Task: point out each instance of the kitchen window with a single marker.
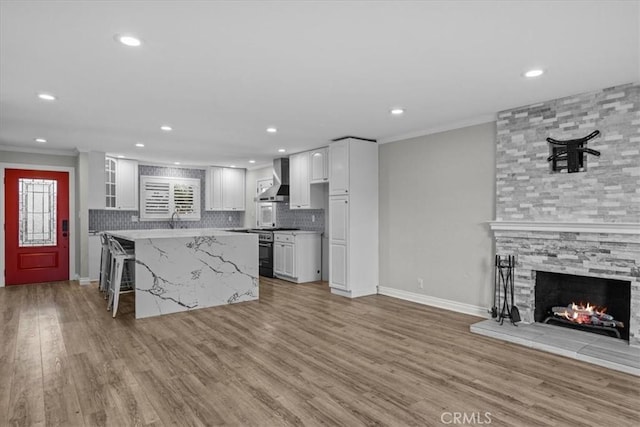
(162, 197)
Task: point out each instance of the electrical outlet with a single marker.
(420, 283)
(313, 218)
(230, 219)
(134, 218)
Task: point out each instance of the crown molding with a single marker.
(478, 120)
(37, 150)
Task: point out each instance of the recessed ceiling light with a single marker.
(140, 145)
(176, 163)
(534, 73)
(129, 40)
(46, 97)
(281, 150)
(121, 156)
(272, 130)
(41, 140)
(232, 166)
(252, 161)
(166, 128)
(397, 111)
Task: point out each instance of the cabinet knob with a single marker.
(346, 191)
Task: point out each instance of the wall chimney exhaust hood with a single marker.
(279, 192)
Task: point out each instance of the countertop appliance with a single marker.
(266, 214)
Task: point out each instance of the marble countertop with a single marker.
(164, 233)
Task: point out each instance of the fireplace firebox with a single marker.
(588, 303)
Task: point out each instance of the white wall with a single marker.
(250, 205)
(436, 196)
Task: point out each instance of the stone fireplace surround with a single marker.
(604, 250)
(585, 223)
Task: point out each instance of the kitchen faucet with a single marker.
(174, 218)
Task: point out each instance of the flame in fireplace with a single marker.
(579, 313)
(587, 314)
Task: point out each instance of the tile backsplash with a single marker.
(121, 220)
(299, 218)
(99, 219)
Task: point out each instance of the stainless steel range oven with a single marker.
(265, 252)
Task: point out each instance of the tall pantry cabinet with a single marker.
(353, 217)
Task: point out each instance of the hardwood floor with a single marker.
(299, 356)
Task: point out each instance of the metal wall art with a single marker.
(572, 151)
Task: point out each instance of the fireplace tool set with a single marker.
(503, 290)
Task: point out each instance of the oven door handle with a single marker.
(265, 245)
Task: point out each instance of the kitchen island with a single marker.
(186, 269)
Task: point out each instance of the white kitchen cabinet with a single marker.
(225, 189)
(297, 256)
(95, 252)
(299, 185)
(213, 189)
(284, 259)
(302, 195)
(110, 168)
(339, 219)
(338, 262)
(120, 182)
(319, 165)
(233, 193)
(339, 163)
(353, 218)
(127, 185)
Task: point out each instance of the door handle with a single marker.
(65, 227)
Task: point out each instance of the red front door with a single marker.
(36, 226)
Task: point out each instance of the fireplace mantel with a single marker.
(567, 227)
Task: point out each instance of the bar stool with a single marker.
(105, 265)
(121, 273)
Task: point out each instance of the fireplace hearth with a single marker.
(592, 304)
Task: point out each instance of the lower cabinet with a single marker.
(338, 261)
(297, 256)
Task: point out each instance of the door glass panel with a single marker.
(37, 212)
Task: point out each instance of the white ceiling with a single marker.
(222, 72)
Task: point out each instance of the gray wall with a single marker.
(437, 194)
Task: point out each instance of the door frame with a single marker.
(72, 212)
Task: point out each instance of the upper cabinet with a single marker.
(299, 187)
(113, 183)
(225, 189)
(303, 195)
(339, 168)
(319, 160)
(127, 185)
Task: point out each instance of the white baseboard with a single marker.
(84, 281)
(456, 306)
(352, 294)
